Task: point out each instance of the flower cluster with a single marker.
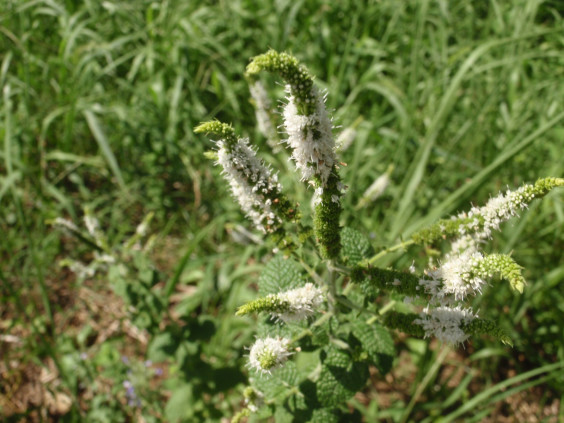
(269, 353)
(311, 138)
(310, 135)
(130, 394)
(483, 220)
(465, 269)
(479, 222)
(295, 304)
(252, 183)
(446, 323)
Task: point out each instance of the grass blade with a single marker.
(102, 140)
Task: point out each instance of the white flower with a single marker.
(141, 229)
(497, 210)
(302, 302)
(104, 258)
(455, 278)
(445, 323)
(375, 190)
(316, 198)
(269, 353)
(92, 225)
(311, 138)
(82, 271)
(65, 224)
(345, 139)
(252, 183)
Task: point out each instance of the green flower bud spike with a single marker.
(487, 327)
(503, 265)
(215, 127)
(271, 304)
(292, 72)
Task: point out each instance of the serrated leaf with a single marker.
(377, 342)
(276, 385)
(280, 274)
(355, 247)
(324, 415)
(340, 378)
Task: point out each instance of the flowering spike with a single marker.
(445, 323)
(295, 304)
(481, 221)
(310, 135)
(252, 183)
(269, 353)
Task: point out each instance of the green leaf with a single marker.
(102, 140)
(280, 274)
(276, 385)
(324, 415)
(377, 342)
(178, 406)
(340, 378)
(162, 347)
(282, 415)
(355, 246)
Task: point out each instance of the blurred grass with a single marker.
(99, 100)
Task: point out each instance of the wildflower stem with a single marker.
(308, 332)
(332, 295)
(382, 253)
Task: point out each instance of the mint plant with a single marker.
(323, 318)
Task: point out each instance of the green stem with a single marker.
(382, 253)
(332, 295)
(308, 332)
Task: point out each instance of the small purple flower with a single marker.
(148, 363)
(125, 360)
(158, 371)
(83, 356)
(132, 399)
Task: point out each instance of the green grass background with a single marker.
(99, 102)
